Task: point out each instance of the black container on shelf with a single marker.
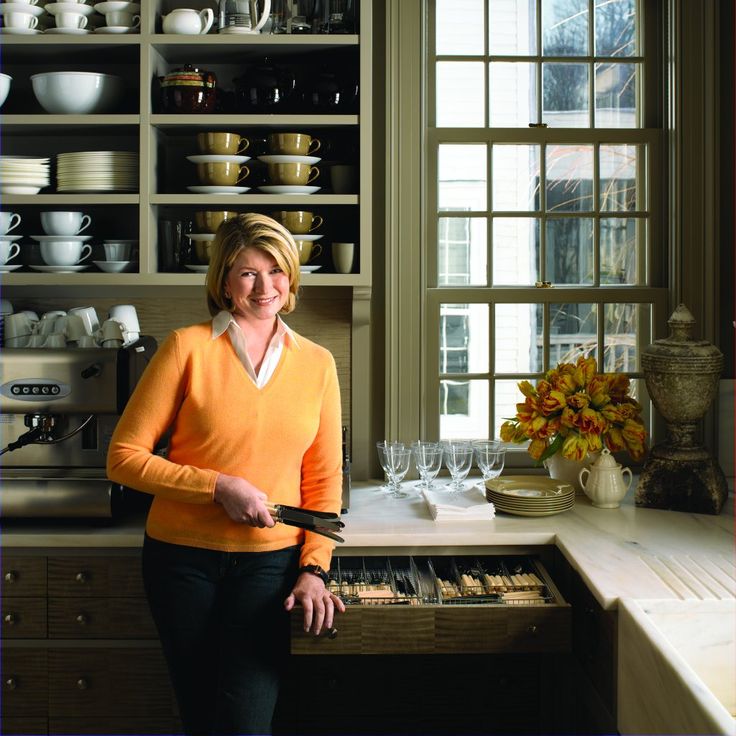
(326, 91)
(188, 90)
(265, 87)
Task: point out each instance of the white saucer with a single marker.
(309, 269)
(20, 31)
(10, 238)
(7, 269)
(197, 268)
(68, 31)
(218, 190)
(20, 8)
(113, 266)
(206, 237)
(206, 158)
(117, 29)
(60, 269)
(55, 238)
(79, 8)
(309, 236)
(288, 189)
(284, 159)
(116, 6)
(19, 189)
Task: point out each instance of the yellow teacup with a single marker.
(222, 144)
(221, 173)
(292, 174)
(298, 222)
(293, 144)
(308, 250)
(207, 221)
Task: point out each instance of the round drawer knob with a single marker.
(83, 683)
(11, 683)
(82, 577)
(82, 619)
(10, 577)
(532, 630)
(10, 619)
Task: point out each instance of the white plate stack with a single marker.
(97, 171)
(23, 174)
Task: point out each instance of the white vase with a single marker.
(562, 469)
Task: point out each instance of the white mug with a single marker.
(17, 342)
(127, 315)
(89, 316)
(111, 330)
(87, 341)
(65, 223)
(8, 251)
(342, 256)
(8, 221)
(36, 341)
(55, 340)
(65, 252)
(71, 20)
(46, 324)
(20, 20)
(76, 327)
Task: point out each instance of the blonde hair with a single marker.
(250, 230)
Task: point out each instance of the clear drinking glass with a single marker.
(458, 460)
(428, 459)
(490, 456)
(394, 458)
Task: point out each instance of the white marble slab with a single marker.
(677, 667)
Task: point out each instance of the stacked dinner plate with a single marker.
(530, 495)
(23, 174)
(97, 171)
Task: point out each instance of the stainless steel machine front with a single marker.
(58, 409)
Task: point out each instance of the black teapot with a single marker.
(265, 87)
(330, 91)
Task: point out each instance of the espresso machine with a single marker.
(58, 410)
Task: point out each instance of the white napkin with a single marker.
(467, 505)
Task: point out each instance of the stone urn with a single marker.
(682, 375)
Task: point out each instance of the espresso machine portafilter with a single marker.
(58, 409)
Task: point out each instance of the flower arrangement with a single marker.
(575, 410)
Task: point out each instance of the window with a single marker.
(540, 210)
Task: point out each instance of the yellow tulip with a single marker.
(575, 447)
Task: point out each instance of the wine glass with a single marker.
(428, 459)
(490, 456)
(394, 459)
(458, 460)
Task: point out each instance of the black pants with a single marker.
(224, 631)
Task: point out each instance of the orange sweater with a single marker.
(285, 438)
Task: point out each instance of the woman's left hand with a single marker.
(318, 603)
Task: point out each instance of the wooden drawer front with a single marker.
(20, 726)
(96, 576)
(100, 618)
(108, 683)
(25, 684)
(96, 726)
(24, 618)
(453, 629)
(23, 576)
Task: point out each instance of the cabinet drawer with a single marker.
(108, 683)
(20, 726)
(95, 576)
(419, 620)
(100, 618)
(25, 683)
(24, 618)
(23, 576)
(120, 726)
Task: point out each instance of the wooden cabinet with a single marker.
(162, 140)
(81, 655)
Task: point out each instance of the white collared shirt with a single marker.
(224, 320)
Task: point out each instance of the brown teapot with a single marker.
(188, 90)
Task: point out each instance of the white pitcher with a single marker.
(188, 21)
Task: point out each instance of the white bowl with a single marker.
(5, 81)
(77, 93)
(112, 266)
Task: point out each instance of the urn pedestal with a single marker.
(682, 379)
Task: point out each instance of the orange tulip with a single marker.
(575, 447)
(536, 448)
(553, 402)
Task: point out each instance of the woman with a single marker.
(254, 414)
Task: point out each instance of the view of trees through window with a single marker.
(535, 127)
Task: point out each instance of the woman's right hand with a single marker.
(242, 501)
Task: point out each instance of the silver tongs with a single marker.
(325, 523)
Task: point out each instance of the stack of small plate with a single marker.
(97, 171)
(530, 495)
(23, 174)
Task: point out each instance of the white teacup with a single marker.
(65, 223)
(18, 325)
(17, 342)
(118, 251)
(89, 316)
(87, 341)
(76, 327)
(71, 20)
(46, 324)
(8, 221)
(55, 340)
(36, 341)
(122, 18)
(111, 331)
(17, 19)
(65, 252)
(8, 251)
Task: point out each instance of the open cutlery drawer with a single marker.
(441, 605)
